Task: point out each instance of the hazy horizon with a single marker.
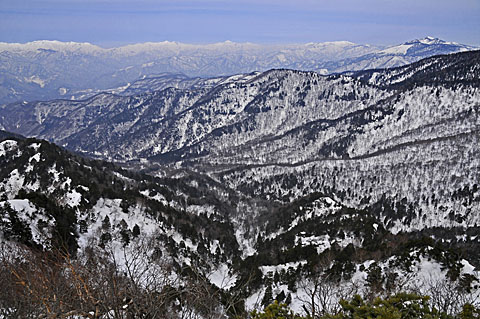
(111, 23)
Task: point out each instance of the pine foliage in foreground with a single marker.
(399, 306)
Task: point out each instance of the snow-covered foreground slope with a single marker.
(43, 188)
(259, 248)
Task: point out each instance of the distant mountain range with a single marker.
(44, 70)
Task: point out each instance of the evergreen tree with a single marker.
(469, 312)
(106, 223)
(268, 296)
(276, 311)
(400, 306)
(136, 231)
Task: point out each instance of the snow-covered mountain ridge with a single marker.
(259, 133)
(43, 70)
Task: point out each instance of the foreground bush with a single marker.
(400, 306)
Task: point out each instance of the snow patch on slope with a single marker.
(7, 146)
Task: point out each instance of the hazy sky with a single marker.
(115, 22)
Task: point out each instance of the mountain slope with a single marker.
(404, 135)
(265, 111)
(40, 177)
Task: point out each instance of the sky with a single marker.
(117, 22)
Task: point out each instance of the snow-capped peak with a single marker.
(429, 40)
(330, 44)
(419, 44)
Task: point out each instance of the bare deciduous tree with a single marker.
(135, 281)
(446, 295)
